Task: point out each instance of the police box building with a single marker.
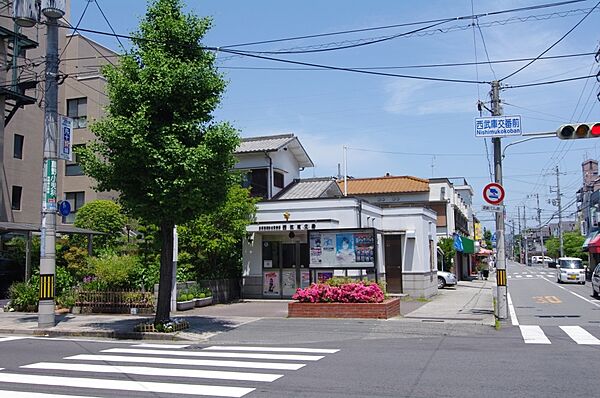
(309, 230)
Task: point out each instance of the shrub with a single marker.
(24, 296)
(103, 216)
(112, 269)
(354, 292)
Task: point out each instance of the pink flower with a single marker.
(358, 292)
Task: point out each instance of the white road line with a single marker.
(573, 293)
(509, 276)
(126, 385)
(529, 276)
(580, 335)
(11, 338)
(533, 334)
(144, 370)
(215, 354)
(189, 362)
(511, 310)
(24, 394)
(272, 349)
(165, 346)
(519, 276)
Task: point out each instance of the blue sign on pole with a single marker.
(64, 208)
(498, 126)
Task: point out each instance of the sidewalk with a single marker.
(469, 302)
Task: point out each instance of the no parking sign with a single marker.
(493, 193)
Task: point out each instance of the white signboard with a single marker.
(65, 138)
(498, 126)
(497, 209)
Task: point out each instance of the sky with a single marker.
(397, 124)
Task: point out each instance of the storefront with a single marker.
(294, 243)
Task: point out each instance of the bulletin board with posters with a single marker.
(345, 249)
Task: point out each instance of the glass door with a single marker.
(289, 269)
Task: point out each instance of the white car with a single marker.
(570, 269)
(446, 279)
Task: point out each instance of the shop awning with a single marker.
(591, 236)
(468, 245)
(594, 244)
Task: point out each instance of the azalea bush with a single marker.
(354, 292)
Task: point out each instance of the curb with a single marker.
(109, 334)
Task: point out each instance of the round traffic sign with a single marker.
(493, 193)
(64, 208)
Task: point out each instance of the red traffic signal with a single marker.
(577, 131)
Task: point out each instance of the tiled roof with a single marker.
(309, 189)
(264, 144)
(388, 184)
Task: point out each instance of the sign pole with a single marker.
(502, 293)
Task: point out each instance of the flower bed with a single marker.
(347, 300)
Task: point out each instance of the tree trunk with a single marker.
(163, 307)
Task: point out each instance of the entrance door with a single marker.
(393, 263)
(294, 267)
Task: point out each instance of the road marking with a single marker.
(216, 354)
(519, 276)
(169, 346)
(509, 276)
(272, 349)
(11, 338)
(580, 335)
(189, 362)
(126, 385)
(533, 334)
(143, 370)
(573, 293)
(23, 394)
(511, 310)
(547, 300)
(529, 276)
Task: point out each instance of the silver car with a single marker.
(570, 269)
(596, 282)
(446, 279)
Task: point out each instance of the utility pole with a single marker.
(525, 234)
(52, 11)
(539, 214)
(502, 310)
(558, 201)
(520, 235)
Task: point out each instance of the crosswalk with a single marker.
(156, 369)
(535, 334)
(520, 275)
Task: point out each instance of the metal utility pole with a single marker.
(525, 234)
(539, 214)
(520, 235)
(52, 11)
(502, 310)
(558, 201)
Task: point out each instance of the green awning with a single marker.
(468, 245)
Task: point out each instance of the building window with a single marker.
(278, 179)
(73, 168)
(16, 197)
(18, 146)
(257, 181)
(77, 110)
(76, 200)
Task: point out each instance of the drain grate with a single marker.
(524, 307)
(558, 316)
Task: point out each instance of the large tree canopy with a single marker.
(159, 145)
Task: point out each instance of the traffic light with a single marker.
(577, 131)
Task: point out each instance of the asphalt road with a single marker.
(296, 358)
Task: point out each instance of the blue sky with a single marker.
(399, 125)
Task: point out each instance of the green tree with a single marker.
(210, 245)
(487, 237)
(103, 216)
(159, 146)
(572, 246)
(447, 246)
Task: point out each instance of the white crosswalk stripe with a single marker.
(534, 334)
(76, 372)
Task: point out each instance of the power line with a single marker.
(109, 24)
(553, 45)
(551, 82)
(74, 30)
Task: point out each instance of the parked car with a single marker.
(446, 279)
(570, 269)
(596, 282)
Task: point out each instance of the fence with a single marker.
(118, 302)
(223, 290)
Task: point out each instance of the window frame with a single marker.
(79, 120)
(22, 144)
(12, 198)
(75, 205)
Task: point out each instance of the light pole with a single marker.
(52, 10)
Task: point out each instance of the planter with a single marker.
(387, 309)
(185, 305)
(203, 302)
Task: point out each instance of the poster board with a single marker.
(342, 249)
(271, 285)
